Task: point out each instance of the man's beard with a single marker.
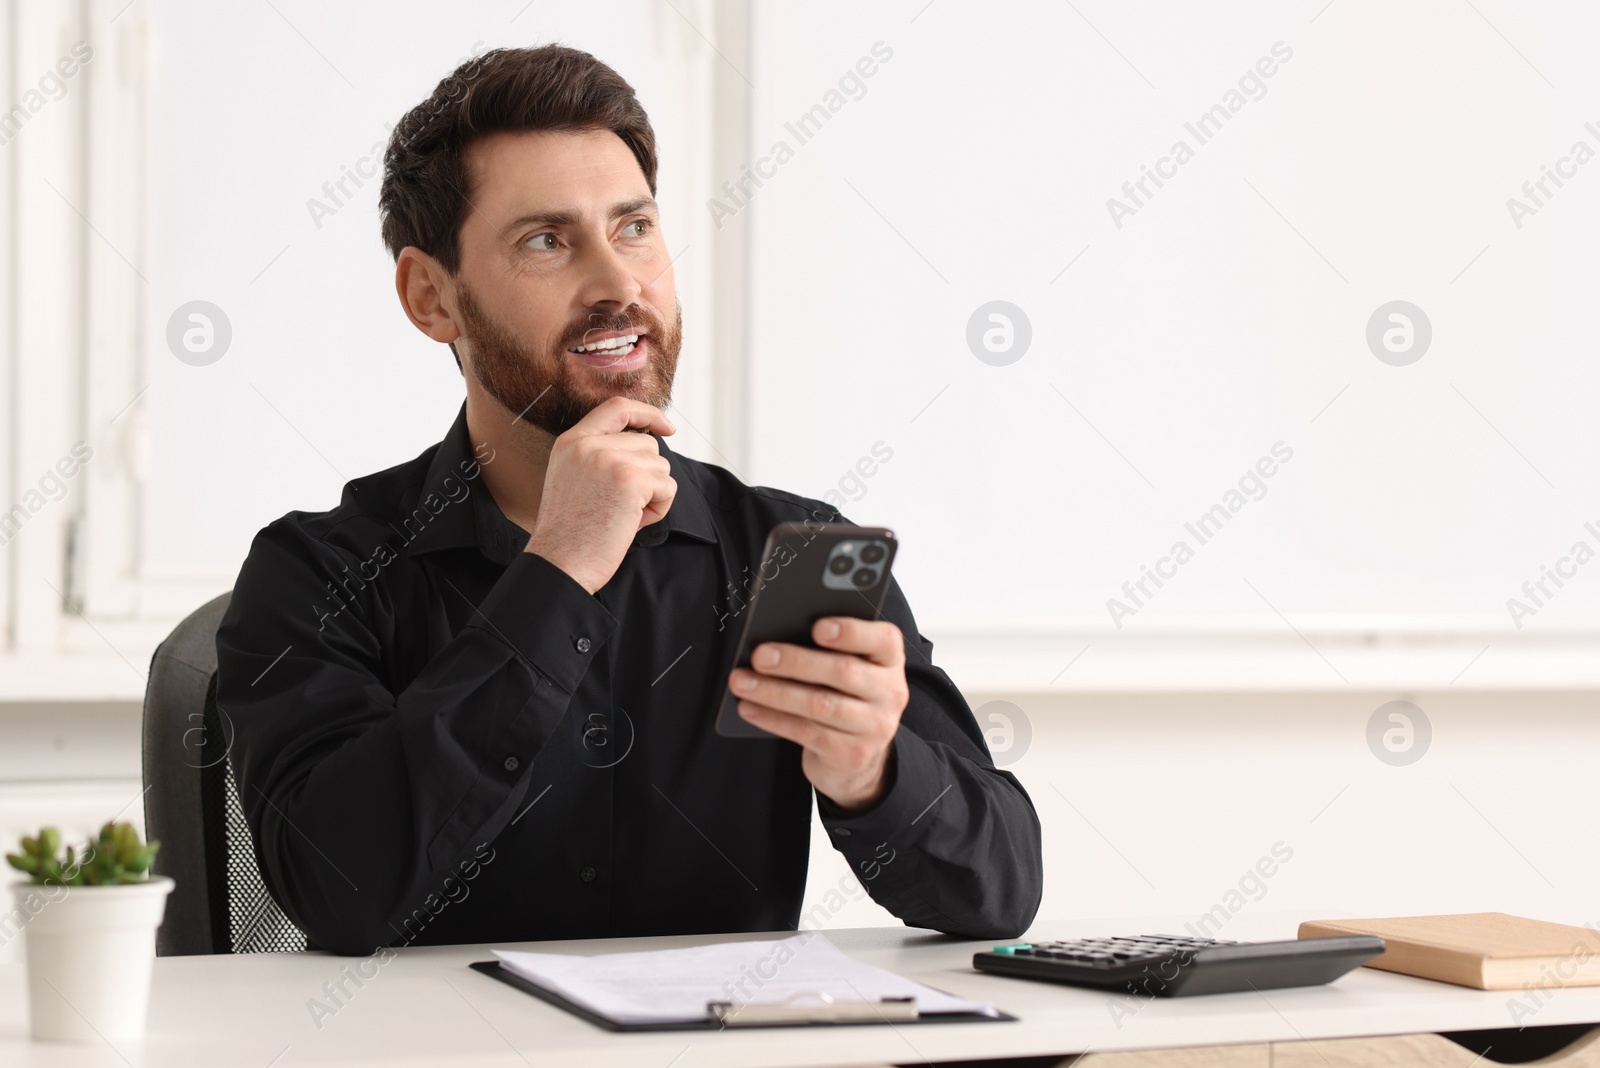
(549, 389)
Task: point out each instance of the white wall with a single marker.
(1160, 805)
(1225, 316)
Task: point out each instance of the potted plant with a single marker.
(91, 926)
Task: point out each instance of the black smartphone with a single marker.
(808, 571)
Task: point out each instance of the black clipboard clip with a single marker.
(815, 1007)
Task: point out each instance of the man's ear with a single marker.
(424, 288)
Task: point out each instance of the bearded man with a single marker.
(475, 702)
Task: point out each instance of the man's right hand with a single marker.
(602, 486)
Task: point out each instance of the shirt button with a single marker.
(587, 875)
(842, 832)
(512, 763)
(582, 644)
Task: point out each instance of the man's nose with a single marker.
(609, 281)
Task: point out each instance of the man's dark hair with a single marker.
(426, 188)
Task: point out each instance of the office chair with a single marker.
(191, 805)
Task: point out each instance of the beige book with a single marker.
(1487, 950)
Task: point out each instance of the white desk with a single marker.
(425, 1007)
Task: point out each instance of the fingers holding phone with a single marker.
(841, 703)
(814, 664)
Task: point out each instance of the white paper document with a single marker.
(674, 985)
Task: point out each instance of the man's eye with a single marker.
(544, 242)
(639, 228)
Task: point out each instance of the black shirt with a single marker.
(440, 738)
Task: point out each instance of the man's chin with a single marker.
(634, 385)
(593, 384)
(643, 396)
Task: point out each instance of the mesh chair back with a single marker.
(219, 904)
(250, 920)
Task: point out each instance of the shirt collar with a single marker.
(452, 507)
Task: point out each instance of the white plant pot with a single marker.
(90, 951)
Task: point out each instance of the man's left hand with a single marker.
(841, 703)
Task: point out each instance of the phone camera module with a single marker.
(856, 565)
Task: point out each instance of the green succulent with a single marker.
(116, 856)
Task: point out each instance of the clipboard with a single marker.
(723, 1016)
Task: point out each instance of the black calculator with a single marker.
(1172, 965)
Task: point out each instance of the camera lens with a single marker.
(840, 564)
(865, 577)
(872, 553)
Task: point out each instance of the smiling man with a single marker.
(475, 702)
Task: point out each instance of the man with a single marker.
(475, 702)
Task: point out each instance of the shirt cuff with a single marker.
(907, 808)
(546, 617)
